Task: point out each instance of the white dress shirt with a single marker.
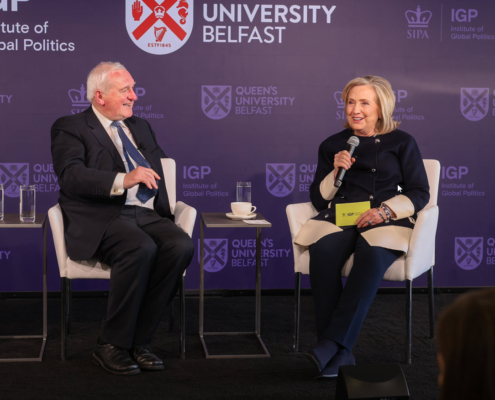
(118, 184)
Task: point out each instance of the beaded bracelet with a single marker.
(381, 214)
(387, 212)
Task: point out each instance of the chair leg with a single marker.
(63, 318)
(182, 317)
(408, 320)
(431, 302)
(297, 311)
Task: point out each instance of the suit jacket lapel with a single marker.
(101, 134)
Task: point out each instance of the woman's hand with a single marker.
(342, 159)
(369, 218)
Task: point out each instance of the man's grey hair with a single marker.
(98, 77)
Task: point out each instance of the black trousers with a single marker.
(340, 311)
(148, 255)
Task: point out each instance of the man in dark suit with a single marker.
(116, 209)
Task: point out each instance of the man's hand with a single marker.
(137, 10)
(141, 175)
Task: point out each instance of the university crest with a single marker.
(216, 101)
(468, 252)
(474, 103)
(12, 176)
(280, 179)
(216, 254)
(159, 27)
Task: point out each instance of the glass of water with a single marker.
(244, 192)
(27, 209)
(1, 202)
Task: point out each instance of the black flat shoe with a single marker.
(145, 358)
(312, 356)
(322, 353)
(343, 357)
(115, 359)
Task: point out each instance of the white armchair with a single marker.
(420, 258)
(185, 217)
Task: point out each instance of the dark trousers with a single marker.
(340, 311)
(148, 255)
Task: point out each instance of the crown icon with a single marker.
(159, 12)
(418, 19)
(338, 99)
(78, 97)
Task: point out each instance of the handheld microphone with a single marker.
(141, 146)
(353, 142)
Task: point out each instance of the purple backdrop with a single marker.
(247, 92)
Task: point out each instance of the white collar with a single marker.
(104, 120)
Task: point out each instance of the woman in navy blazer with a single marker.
(385, 169)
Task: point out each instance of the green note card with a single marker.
(347, 214)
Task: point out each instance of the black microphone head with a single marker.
(353, 141)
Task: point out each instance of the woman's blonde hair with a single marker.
(385, 98)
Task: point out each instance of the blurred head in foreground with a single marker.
(466, 347)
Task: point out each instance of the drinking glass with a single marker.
(244, 192)
(27, 208)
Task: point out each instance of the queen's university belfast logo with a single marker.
(12, 175)
(159, 27)
(280, 179)
(474, 103)
(216, 100)
(468, 252)
(216, 254)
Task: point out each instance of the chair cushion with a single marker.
(87, 269)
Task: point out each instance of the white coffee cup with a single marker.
(240, 208)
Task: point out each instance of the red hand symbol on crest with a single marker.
(137, 10)
(167, 20)
(183, 14)
(183, 6)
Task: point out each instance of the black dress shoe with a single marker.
(145, 358)
(115, 359)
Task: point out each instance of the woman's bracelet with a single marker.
(381, 214)
(387, 212)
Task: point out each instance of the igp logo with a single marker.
(216, 100)
(12, 176)
(159, 28)
(280, 179)
(468, 252)
(474, 103)
(216, 254)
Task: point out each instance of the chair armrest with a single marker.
(298, 214)
(421, 255)
(185, 217)
(57, 224)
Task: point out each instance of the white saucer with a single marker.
(239, 217)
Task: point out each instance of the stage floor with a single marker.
(285, 375)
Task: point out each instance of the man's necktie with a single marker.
(143, 193)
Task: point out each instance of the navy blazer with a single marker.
(86, 163)
(382, 164)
